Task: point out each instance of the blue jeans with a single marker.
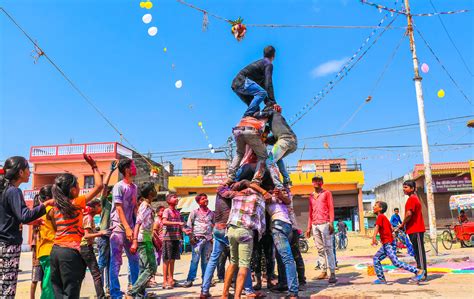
(201, 251)
(103, 245)
(118, 242)
(250, 88)
(281, 232)
(220, 243)
(282, 148)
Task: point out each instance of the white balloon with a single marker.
(213, 151)
(179, 84)
(152, 31)
(210, 145)
(147, 18)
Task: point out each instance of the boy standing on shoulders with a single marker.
(321, 225)
(201, 224)
(388, 249)
(415, 226)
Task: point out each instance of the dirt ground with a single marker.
(353, 281)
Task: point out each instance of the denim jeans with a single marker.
(251, 89)
(148, 266)
(282, 233)
(225, 255)
(87, 253)
(200, 251)
(282, 148)
(118, 242)
(103, 245)
(254, 141)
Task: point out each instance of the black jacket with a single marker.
(260, 72)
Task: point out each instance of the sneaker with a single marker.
(332, 278)
(187, 284)
(204, 295)
(380, 281)
(421, 276)
(322, 276)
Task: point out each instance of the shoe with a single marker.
(322, 276)
(279, 289)
(152, 285)
(204, 295)
(420, 276)
(187, 284)
(332, 278)
(302, 287)
(213, 284)
(380, 281)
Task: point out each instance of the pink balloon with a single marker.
(425, 68)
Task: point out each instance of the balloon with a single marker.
(146, 18)
(178, 84)
(148, 5)
(152, 31)
(210, 145)
(164, 49)
(425, 68)
(213, 151)
(200, 124)
(142, 4)
(441, 93)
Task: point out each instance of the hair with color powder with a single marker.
(62, 195)
(124, 164)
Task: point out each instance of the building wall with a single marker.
(323, 164)
(193, 164)
(392, 194)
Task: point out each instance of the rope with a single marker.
(443, 67)
(403, 12)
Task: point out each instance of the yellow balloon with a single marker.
(148, 5)
(164, 49)
(200, 124)
(441, 93)
(142, 4)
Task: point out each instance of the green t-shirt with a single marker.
(106, 203)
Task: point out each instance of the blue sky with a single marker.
(105, 49)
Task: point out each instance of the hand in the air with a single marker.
(113, 166)
(90, 161)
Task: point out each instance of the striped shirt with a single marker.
(69, 232)
(171, 232)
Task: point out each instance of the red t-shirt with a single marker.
(416, 223)
(385, 229)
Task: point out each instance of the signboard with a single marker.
(462, 201)
(214, 179)
(452, 184)
(308, 167)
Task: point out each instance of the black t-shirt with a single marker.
(261, 72)
(14, 212)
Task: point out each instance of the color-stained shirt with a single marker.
(88, 224)
(223, 205)
(416, 223)
(159, 228)
(145, 217)
(385, 229)
(171, 232)
(248, 211)
(14, 212)
(46, 235)
(106, 203)
(201, 223)
(321, 207)
(69, 231)
(278, 210)
(125, 194)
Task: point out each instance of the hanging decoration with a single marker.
(403, 12)
(36, 53)
(441, 93)
(165, 49)
(205, 21)
(238, 29)
(211, 147)
(147, 18)
(154, 172)
(178, 84)
(152, 31)
(146, 4)
(425, 68)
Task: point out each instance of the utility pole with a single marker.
(424, 133)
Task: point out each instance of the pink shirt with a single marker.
(321, 207)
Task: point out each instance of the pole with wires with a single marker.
(424, 134)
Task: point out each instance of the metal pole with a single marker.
(424, 134)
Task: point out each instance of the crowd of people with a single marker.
(253, 223)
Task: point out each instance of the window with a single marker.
(89, 182)
(207, 170)
(336, 167)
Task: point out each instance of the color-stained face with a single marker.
(133, 169)
(203, 201)
(407, 189)
(318, 184)
(160, 212)
(173, 200)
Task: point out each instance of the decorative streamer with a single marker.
(205, 21)
(403, 12)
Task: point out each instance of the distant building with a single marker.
(450, 178)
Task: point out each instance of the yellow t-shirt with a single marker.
(45, 240)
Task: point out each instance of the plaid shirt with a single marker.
(248, 211)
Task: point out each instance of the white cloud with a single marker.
(328, 67)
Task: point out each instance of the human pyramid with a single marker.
(253, 221)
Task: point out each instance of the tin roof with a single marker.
(441, 168)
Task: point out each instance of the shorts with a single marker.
(241, 246)
(171, 250)
(37, 274)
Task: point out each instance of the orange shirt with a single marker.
(69, 232)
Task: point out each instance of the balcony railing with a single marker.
(304, 168)
(55, 152)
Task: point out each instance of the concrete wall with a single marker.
(392, 194)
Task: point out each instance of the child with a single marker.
(67, 266)
(142, 239)
(36, 271)
(87, 245)
(158, 236)
(44, 242)
(388, 249)
(201, 223)
(172, 235)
